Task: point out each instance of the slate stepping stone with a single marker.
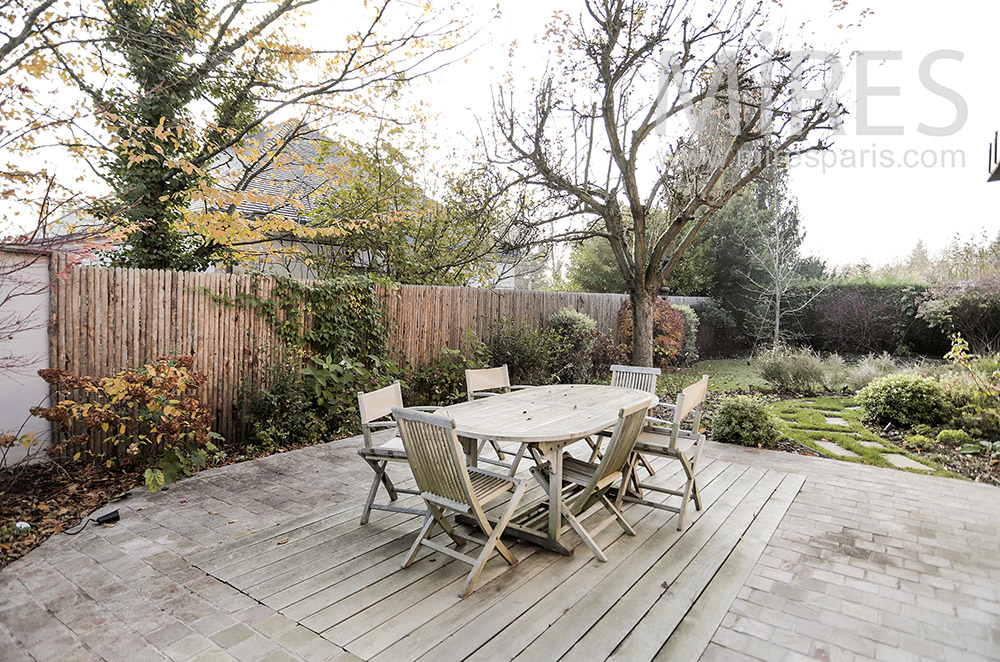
(836, 420)
(834, 449)
(871, 444)
(904, 462)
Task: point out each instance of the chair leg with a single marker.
(497, 449)
(690, 490)
(439, 516)
(617, 514)
(379, 468)
(517, 459)
(494, 540)
(582, 532)
(425, 531)
(595, 449)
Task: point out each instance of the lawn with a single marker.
(830, 425)
(724, 376)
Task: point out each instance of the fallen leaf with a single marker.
(232, 521)
(143, 507)
(213, 512)
(283, 541)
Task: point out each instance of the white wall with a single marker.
(24, 315)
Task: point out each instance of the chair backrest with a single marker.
(691, 398)
(375, 405)
(630, 376)
(436, 458)
(486, 379)
(630, 423)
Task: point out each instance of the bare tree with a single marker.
(654, 108)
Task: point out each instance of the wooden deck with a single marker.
(661, 596)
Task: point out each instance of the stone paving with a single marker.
(868, 563)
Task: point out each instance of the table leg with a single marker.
(471, 448)
(553, 453)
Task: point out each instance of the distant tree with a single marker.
(615, 149)
(178, 85)
(384, 222)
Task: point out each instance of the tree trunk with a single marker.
(777, 317)
(643, 307)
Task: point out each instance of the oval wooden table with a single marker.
(549, 418)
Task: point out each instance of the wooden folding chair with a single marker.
(586, 484)
(484, 383)
(629, 376)
(374, 408)
(446, 483)
(670, 439)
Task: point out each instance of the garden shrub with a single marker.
(668, 331)
(689, 350)
(791, 370)
(281, 409)
(836, 372)
(867, 315)
(970, 307)
(953, 437)
(442, 381)
(977, 400)
(527, 351)
(742, 419)
(904, 400)
(870, 367)
(142, 412)
(604, 353)
(717, 329)
(571, 359)
(918, 442)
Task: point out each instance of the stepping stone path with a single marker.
(836, 420)
(904, 462)
(872, 444)
(835, 449)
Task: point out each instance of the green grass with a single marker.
(804, 420)
(724, 376)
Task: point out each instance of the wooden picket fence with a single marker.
(104, 320)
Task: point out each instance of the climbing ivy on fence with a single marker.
(338, 318)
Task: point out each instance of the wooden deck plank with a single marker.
(344, 580)
(492, 609)
(692, 636)
(616, 591)
(672, 583)
(521, 631)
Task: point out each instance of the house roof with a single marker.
(295, 173)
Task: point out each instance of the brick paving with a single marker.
(868, 563)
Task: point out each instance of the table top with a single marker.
(562, 412)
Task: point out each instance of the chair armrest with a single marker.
(381, 424)
(658, 421)
(482, 394)
(427, 408)
(518, 387)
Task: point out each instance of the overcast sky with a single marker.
(855, 206)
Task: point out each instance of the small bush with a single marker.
(571, 359)
(152, 410)
(280, 410)
(741, 419)
(870, 367)
(836, 372)
(604, 353)
(918, 442)
(442, 381)
(791, 370)
(668, 331)
(689, 350)
(954, 437)
(904, 400)
(527, 352)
